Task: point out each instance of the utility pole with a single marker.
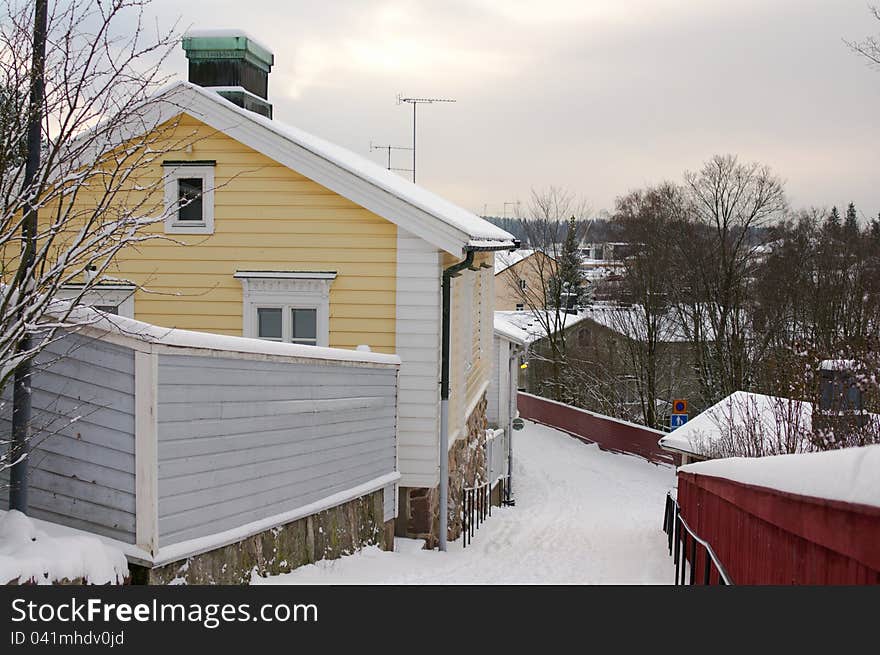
(388, 149)
(22, 392)
(415, 102)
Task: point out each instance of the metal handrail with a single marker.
(722, 572)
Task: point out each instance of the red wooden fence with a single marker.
(769, 537)
(609, 433)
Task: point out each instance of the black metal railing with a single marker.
(685, 545)
(476, 507)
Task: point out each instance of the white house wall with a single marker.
(498, 396)
(418, 345)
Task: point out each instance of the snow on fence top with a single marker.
(848, 475)
(98, 323)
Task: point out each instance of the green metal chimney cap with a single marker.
(201, 45)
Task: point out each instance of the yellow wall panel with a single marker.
(267, 217)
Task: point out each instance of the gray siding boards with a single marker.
(241, 440)
(82, 460)
(389, 500)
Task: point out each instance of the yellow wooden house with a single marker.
(280, 235)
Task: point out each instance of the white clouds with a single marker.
(598, 95)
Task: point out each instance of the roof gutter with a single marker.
(452, 271)
(494, 248)
(448, 273)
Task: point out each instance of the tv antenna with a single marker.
(388, 149)
(415, 102)
(515, 203)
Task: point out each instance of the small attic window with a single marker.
(189, 197)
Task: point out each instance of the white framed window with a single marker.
(520, 307)
(189, 197)
(289, 306)
(111, 298)
(522, 285)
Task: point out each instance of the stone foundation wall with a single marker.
(467, 464)
(330, 534)
(419, 507)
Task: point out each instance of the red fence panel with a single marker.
(770, 537)
(609, 433)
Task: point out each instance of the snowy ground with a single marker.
(29, 554)
(582, 516)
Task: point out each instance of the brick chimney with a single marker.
(233, 64)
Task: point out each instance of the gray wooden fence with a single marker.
(154, 437)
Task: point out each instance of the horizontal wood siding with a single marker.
(82, 462)
(418, 345)
(266, 217)
(242, 440)
(765, 536)
(499, 382)
(472, 329)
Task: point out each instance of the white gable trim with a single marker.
(328, 174)
(218, 113)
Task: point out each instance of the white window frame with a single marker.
(120, 296)
(176, 171)
(286, 290)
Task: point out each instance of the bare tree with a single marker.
(870, 47)
(95, 191)
(544, 281)
(729, 203)
(649, 221)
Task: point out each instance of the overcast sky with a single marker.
(597, 96)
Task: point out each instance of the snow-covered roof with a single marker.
(427, 215)
(743, 417)
(629, 321)
(504, 260)
(98, 323)
(849, 474)
(526, 327)
(839, 365)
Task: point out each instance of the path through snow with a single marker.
(582, 516)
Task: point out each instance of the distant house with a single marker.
(603, 268)
(743, 424)
(597, 342)
(520, 277)
(750, 424)
(294, 239)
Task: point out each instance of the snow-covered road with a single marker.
(582, 516)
